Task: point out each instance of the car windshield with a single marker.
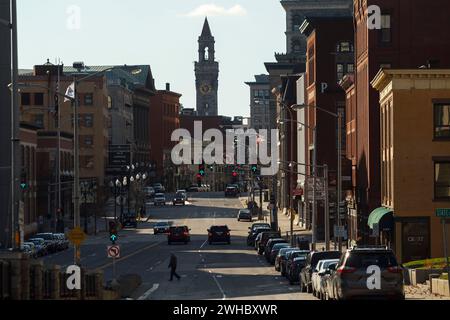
(298, 254)
(317, 256)
(279, 246)
(244, 212)
(366, 259)
(284, 251)
(160, 195)
(38, 241)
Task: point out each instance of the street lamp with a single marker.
(338, 116)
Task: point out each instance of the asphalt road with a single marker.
(218, 272)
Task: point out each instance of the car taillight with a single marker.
(186, 233)
(395, 269)
(345, 269)
(210, 234)
(228, 233)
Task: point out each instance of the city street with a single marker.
(208, 272)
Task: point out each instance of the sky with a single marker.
(161, 33)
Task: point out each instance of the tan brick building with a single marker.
(415, 166)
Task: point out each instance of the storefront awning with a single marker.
(377, 214)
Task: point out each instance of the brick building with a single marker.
(329, 47)
(411, 36)
(164, 119)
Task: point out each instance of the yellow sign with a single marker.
(77, 236)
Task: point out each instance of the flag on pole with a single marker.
(70, 92)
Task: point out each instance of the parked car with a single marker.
(149, 192)
(253, 234)
(160, 199)
(51, 241)
(179, 234)
(231, 192)
(245, 215)
(318, 272)
(313, 259)
(32, 247)
(295, 267)
(324, 280)
(179, 199)
(27, 250)
(63, 242)
(266, 236)
(41, 246)
(275, 249)
(282, 256)
(219, 234)
(291, 257)
(269, 245)
(352, 273)
(161, 227)
(258, 225)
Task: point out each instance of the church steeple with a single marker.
(206, 32)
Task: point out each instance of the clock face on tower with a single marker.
(205, 89)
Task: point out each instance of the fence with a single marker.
(25, 279)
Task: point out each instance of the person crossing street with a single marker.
(173, 267)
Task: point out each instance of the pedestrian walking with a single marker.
(173, 267)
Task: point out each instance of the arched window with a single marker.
(206, 54)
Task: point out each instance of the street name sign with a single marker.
(443, 213)
(77, 236)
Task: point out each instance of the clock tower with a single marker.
(206, 74)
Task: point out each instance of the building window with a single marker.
(39, 120)
(350, 68)
(88, 141)
(311, 76)
(442, 121)
(386, 36)
(26, 101)
(340, 71)
(88, 120)
(39, 99)
(442, 180)
(110, 102)
(344, 46)
(88, 99)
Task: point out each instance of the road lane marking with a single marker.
(130, 255)
(220, 288)
(204, 244)
(149, 292)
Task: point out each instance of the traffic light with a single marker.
(113, 235)
(201, 170)
(254, 168)
(23, 180)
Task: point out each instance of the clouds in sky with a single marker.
(212, 10)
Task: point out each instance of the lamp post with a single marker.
(339, 117)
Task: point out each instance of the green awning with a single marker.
(377, 214)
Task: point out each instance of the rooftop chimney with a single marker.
(167, 86)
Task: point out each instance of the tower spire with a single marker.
(206, 32)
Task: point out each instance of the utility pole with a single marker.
(314, 204)
(339, 178)
(327, 208)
